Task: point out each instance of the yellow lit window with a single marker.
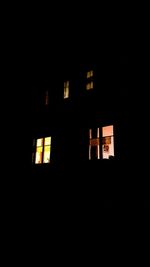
(47, 150)
(39, 151)
(89, 74)
(66, 89)
(43, 150)
(89, 84)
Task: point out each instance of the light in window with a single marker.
(47, 150)
(66, 89)
(39, 151)
(89, 74)
(94, 144)
(107, 142)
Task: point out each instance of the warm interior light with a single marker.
(66, 89)
(47, 150)
(107, 141)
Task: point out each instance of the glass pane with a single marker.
(66, 92)
(39, 142)
(91, 73)
(94, 133)
(107, 131)
(91, 86)
(108, 147)
(39, 149)
(46, 154)
(47, 141)
(94, 142)
(38, 158)
(88, 74)
(88, 86)
(94, 152)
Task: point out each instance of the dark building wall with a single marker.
(68, 120)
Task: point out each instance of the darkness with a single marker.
(48, 51)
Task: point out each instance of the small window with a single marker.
(107, 142)
(39, 151)
(66, 89)
(101, 142)
(43, 150)
(89, 74)
(94, 144)
(47, 150)
(89, 80)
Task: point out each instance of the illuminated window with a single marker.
(107, 142)
(66, 89)
(89, 74)
(46, 98)
(43, 150)
(94, 144)
(89, 82)
(47, 150)
(101, 143)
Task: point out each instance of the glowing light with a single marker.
(66, 89)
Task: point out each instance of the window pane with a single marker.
(91, 73)
(94, 133)
(108, 148)
(94, 144)
(47, 141)
(39, 142)
(46, 154)
(88, 86)
(94, 152)
(107, 131)
(66, 92)
(39, 149)
(38, 158)
(88, 74)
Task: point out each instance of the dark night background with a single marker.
(45, 48)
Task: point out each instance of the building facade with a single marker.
(80, 117)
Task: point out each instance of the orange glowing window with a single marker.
(43, 150)
(66, 89)
(101, 142)
(107, 142)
